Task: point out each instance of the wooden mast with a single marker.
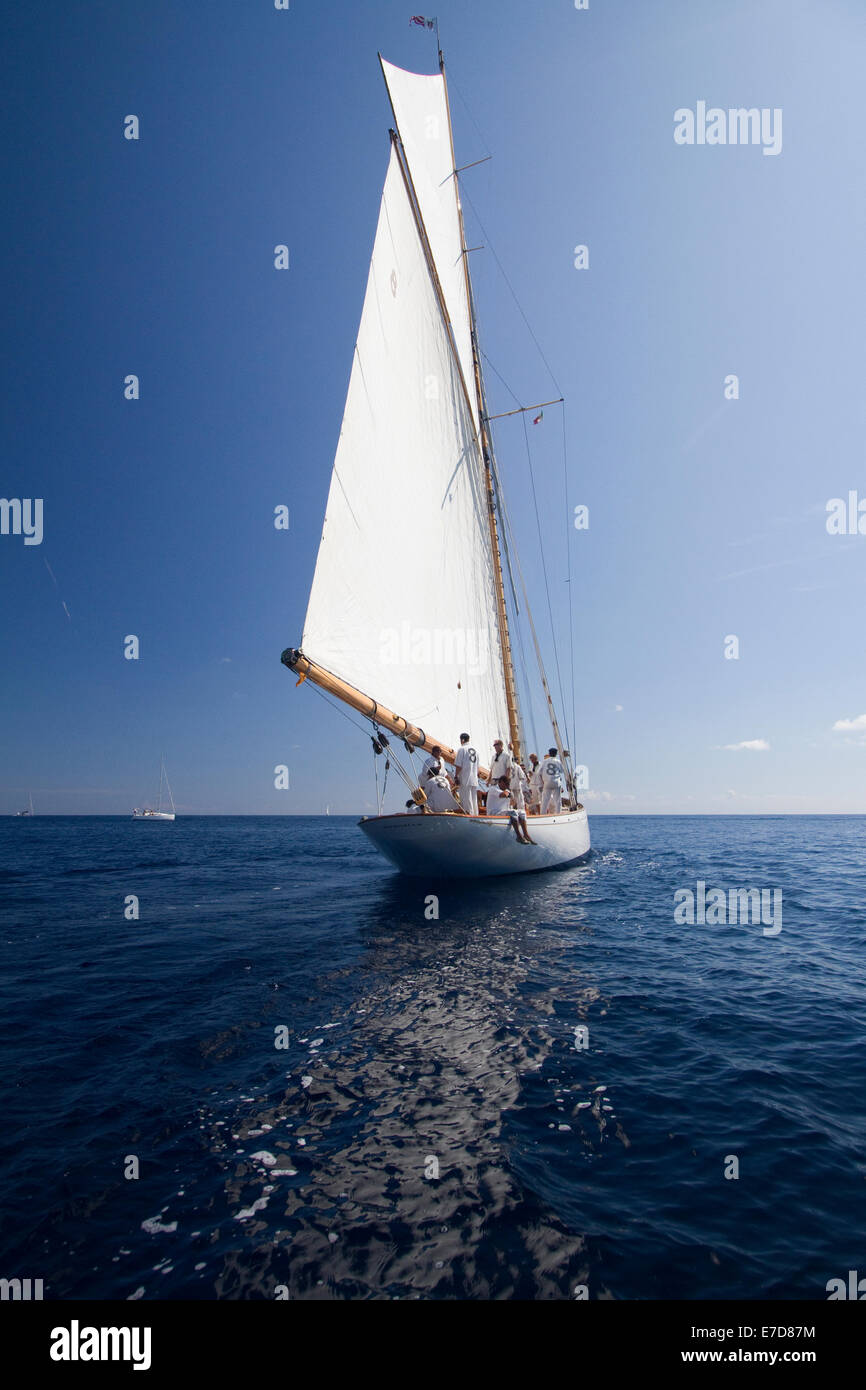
(489, 477)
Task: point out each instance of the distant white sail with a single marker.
(403, 603)
(420, 107)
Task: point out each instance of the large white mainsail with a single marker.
(403, 606)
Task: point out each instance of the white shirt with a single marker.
(428, 762)
(466, 763)
(519, 785)
(439, 796)
(535, 778)
(552, 773)
(500, 767)
(498, 802)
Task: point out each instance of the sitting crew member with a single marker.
(519, 786)
(498, 798)
(412, 808)
(466, 765)
(500, 802)
(439, 795)
(552, 783)
(437, 769)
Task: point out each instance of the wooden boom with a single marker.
(295, 660)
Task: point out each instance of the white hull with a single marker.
(153, 815)
(457, 846)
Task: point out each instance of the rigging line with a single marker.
(492, 249)
(506, 550)
(535, 642)
(516, 398)
(501, 378)
(505, 538)
(485, 142)
(385, 781)
(338, 708)
(544, 570)
(524, 671)
(493, 491)
(508, 534)
(524, 668)
(410, 783)
(568, 530)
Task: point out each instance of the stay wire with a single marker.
(495, 372)
(562, 703)
(452, 86)
(541, 547)
(390, 753)
(491, 248)
(466, 198)
(568, 529)
(339, 710)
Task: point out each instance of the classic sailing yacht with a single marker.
(407, 621)
(159, 813)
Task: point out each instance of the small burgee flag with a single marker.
(539, 417)
(425, 23)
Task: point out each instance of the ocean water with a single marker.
(417, 1046)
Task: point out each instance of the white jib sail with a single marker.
(402, 605)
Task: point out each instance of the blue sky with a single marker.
(707, 516)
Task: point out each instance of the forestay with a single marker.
(402, 605)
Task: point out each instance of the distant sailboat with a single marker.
(159, 813)
(29, 810)
(415, 525)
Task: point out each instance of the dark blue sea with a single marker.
(412, 1046)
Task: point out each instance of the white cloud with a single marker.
(750, 745)
(850, 726)
(618, 709)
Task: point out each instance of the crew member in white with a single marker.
(501, 764)
(499, 798)
(552, 783)
(439, 795)
(501, 802)
(434, 756)
(534, 776)
(519, 786)
(466, 764)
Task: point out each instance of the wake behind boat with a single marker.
(159, 814)
(408, 598)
